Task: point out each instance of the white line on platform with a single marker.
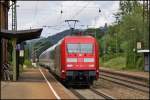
(50, 86)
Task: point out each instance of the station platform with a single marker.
(35, 83)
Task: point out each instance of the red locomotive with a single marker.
(74, 60)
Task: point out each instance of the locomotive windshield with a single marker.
(80, 48)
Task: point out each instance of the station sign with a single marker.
(139, 45)
(21, 53)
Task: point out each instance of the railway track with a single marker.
(90, 93)
(106, 96)
(134, 83)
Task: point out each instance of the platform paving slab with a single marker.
(32, 85)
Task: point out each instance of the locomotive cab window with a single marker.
(80, 48)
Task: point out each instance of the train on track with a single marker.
(75, 60)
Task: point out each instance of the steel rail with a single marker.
(99, 93)
(106, 96)
(76, 93)
(141, 78)
(124, 83)
(126, 80)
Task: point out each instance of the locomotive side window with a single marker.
(80, 48)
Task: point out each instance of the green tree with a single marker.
(123, 35)
(131, 30)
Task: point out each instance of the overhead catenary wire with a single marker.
(58, 24)
(35, 11)
(99, 10)
(61, 21)
(77, 13)
(60, 16)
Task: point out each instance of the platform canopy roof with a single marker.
(21, 35)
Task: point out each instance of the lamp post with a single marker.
(133, 37)
(105, 31)
(14, 40)
(95, 21)
(95, 27)
(117, 19)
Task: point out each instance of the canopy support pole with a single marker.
(14, 41)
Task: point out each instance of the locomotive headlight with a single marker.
(91, 65)
(97, 71)
(88, 59)
(63, 71)
(69, 65)
(71, 59)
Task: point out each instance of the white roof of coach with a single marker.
(52, 48)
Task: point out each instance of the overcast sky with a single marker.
(36, 14)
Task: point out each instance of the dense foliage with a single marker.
(121, 38)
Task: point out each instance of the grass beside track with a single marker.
(118, 63)
(115, 63)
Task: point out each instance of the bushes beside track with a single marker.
(28, 63)
(119, 63)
